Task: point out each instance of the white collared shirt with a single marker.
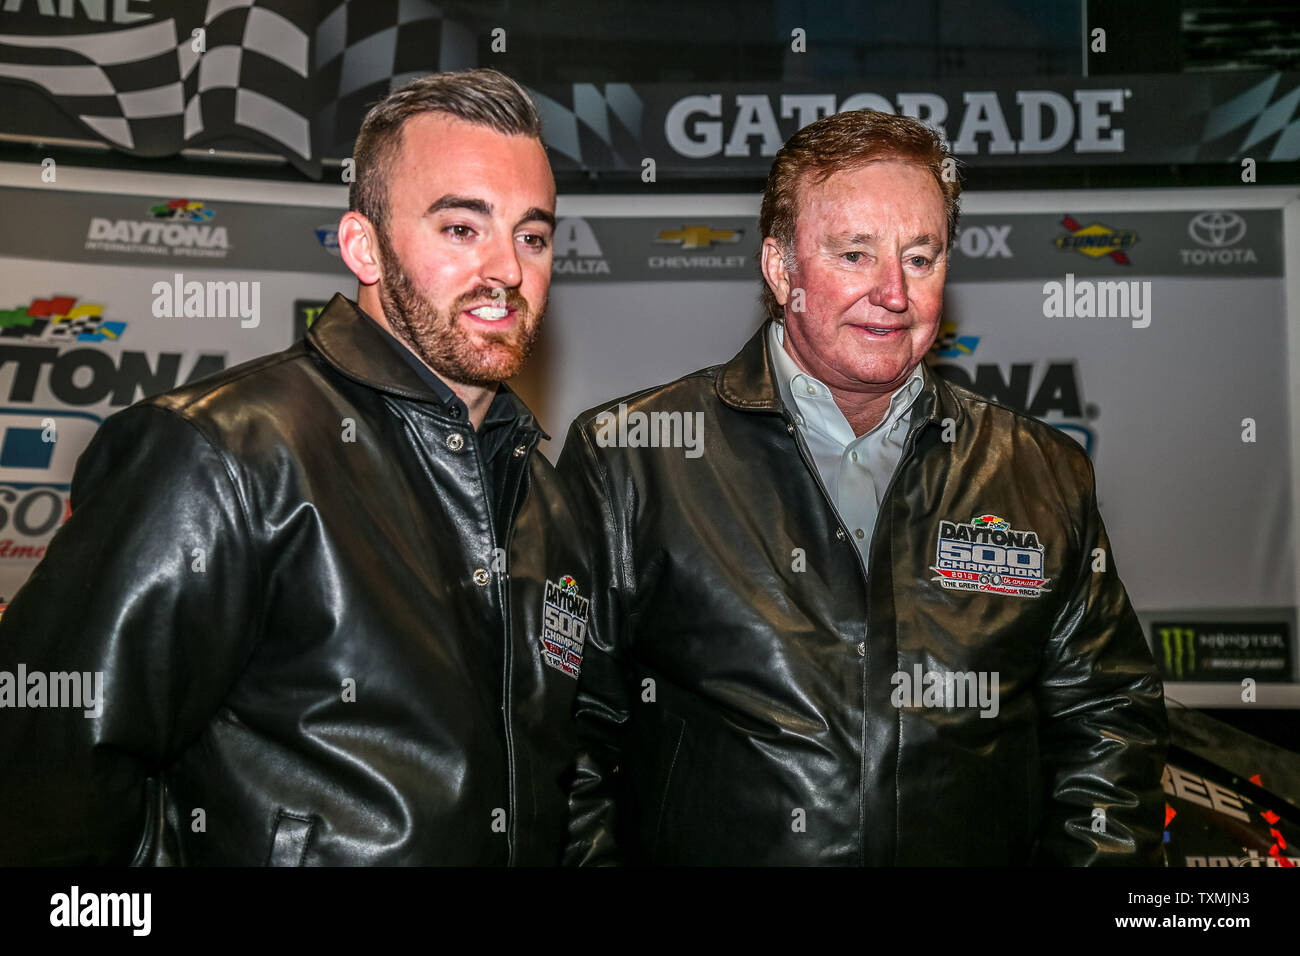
(855, 470)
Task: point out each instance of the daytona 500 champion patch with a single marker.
(986, 554)
(564, 625)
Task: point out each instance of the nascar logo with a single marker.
(987, 554)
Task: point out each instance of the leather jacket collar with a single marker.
(349, 341)
(748, 383)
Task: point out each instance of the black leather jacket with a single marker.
(740, 702)
(311, 651)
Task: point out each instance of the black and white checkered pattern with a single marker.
(363, 50)
(295, 76)
(591, 127)
(1262, 121)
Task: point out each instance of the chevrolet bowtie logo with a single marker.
(699, 237)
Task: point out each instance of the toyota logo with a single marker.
(1217, 229)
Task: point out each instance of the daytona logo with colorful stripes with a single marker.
(987, 554)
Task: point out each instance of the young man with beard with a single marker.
(335, 594)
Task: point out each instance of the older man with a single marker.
(877, 620)
(334, 595)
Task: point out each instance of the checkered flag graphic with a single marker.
(59, 319)
(294, 76)
(1263, 121)
(587, 126)
(363, 50)
(945, 340)
(146, 90)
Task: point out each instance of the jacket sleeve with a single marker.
(149, 593)
(602, 705)
(1104, 731)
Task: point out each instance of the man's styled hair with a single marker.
(485, 97)
(841, 142)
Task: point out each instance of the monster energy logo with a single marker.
(1179, 644)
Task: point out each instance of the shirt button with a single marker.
(862, 648)
(453, 411)
(839, 533)
(521, 450)
(790, 429)
(812, 389)
(860, 533)
(481, 577)
(455, 441)
(853, 455)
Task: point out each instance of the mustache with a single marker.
(509, 298)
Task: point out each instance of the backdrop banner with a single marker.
(294, 78)
(1155, 337)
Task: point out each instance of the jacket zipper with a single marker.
(811, 465)
(908, 447)
(507, 678)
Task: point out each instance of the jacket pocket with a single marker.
(289, 839)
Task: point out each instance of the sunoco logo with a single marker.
(986, 554)
(1096, 240)
(179, 227)
(1217, 233)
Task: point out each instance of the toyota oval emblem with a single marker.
(1217, 229)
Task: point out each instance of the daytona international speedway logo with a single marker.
(60, 319)
(987, 554)
(181, 210)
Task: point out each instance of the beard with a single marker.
(438, 337)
